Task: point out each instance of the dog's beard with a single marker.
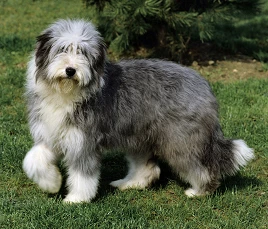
(64, 85)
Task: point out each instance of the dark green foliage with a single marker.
(164, 26)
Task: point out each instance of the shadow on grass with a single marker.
(238, 182)
(114, 167)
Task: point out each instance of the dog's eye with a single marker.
(78, 51)
(63, 49)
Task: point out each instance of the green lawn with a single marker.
(240, 202)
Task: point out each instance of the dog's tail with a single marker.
(234, 154)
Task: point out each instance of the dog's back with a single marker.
(141, 93)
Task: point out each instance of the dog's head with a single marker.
(68, 53)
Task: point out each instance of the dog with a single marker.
(80, 104)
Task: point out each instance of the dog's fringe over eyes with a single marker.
(80, 103)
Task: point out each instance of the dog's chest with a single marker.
(54, 115)
(57, 130)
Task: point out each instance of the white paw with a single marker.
(117, 183)
(38, 165)
(51, 182)
(72, 198)
(81, 188)
(139, 178)
(191, 192)
(124, 184)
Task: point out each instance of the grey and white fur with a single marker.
(80, 103)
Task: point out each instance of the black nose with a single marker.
(70, 71)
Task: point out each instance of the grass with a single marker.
(240, 202)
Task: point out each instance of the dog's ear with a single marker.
(99, 60)
(43, 47)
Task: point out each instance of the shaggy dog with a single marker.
(80, 103)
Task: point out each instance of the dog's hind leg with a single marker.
(202, 182)
(40, 165)
(143, 171)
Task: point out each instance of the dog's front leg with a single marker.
(83, 177)
(40, 165)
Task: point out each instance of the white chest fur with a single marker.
(58, 133)
(54, 112)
